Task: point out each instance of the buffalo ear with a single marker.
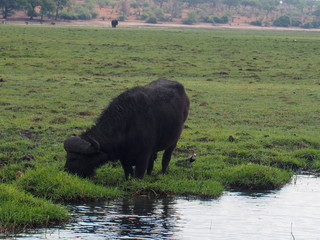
(78, 145)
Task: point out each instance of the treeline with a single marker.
(305, 13)
(49, 8)
(53, 9)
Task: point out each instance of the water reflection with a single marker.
(144, 217)
(292, 211)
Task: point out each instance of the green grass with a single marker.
(260, 87)
(58, 186)
(20, 210)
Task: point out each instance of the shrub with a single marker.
(307, 25)
(122, 18)
(221, 20)
(312, 24)
(190, 19)
(160, 14)
(267, 23)
(134, 5)
(207, 19)
(282, 21)
(256, 23)
(296, 22)
(68, 15)
(152, 20)
(94, 14)
(84, 14)
(144, 16)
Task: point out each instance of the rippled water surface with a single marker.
(290, 213)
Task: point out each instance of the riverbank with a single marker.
(251, 215)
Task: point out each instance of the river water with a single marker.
(293, 212)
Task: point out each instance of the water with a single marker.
(290, 213)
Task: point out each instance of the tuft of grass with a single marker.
(167, 186)
(58, 186)
(179, 181)
(20, 210)
(255, 177)
(8, 173)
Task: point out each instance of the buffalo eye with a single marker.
(72, 158)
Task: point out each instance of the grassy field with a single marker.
(254, 117)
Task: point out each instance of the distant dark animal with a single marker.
(231, 139)
(133, 128)
(114, 23)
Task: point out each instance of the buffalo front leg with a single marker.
(151, 162)
(144, 162)
(166, 157)
(127, 167)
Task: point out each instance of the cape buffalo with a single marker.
(114, 23)
(133, 128)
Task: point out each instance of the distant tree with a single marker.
(59, 5)
(138, 5)
(102, 3)
(215, 3)
(47, 8)
(194, 3)
(160, 2)
(249, 3)
(90, 4)
(175, 9)
(317, 12)
(231, 3)
(7, 6)
(30, 7)
(252, 5)
(299, 5)
(292, 2)
(269, 5)
(124, 7)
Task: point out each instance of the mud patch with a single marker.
(59, 120)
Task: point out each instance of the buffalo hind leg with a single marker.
(166, 157)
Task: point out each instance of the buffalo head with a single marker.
(83, 156)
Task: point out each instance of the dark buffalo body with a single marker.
(114, 23)
(133, 128)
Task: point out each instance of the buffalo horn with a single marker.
(78, 145)
(95, 144)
